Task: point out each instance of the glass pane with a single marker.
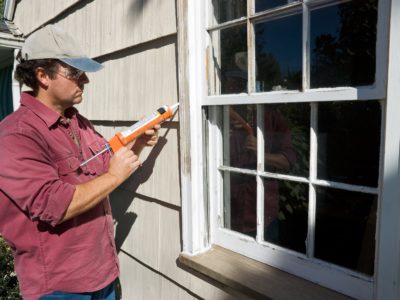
(343, 42)
(348, 142)
(230, 66)
(345, 229)
(240, 203)
(267, 4)
(287, 138)
(239, 136)
(286, 214)
(227, 10)
(279, 54)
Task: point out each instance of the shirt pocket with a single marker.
(68, 166)
(97, 165)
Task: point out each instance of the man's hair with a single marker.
(25, 71)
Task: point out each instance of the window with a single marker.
(295, 110)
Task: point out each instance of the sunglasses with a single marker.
(71, 73)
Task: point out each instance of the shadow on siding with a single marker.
(122, 217)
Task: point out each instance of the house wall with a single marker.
(136, 41)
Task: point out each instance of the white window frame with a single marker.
(199, 229)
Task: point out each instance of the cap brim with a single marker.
(85, 64)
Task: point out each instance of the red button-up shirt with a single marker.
(40, 157)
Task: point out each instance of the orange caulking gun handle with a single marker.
(115, 143)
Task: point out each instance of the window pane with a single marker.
(345, 229)
(286, 214)
(343, 42)
(227, 10)
(239, 136)
(267, 4)
(240, 203)
(348, 142)
(279, 54)
(230, 66)
(287, 138)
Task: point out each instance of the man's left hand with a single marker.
(149, 139)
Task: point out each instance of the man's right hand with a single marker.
(123, 164)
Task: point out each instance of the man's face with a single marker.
(66, 89)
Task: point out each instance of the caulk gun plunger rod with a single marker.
(94, 156)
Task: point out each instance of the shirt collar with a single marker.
(49, 116)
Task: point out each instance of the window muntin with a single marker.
(311, 182)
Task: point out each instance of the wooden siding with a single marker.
(133, 83)
(149, 254)
(29, 15)
(102, 26)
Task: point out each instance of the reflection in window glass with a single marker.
(348, 142)
(343, 42)
(286, 135)
(240, 203)
(345, 229)
(279, 54)
(228, 10)
(231, 66)
(268, 4)
(240, 142)
(286, 214)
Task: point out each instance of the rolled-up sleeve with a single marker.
(30, 178)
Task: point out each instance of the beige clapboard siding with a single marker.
(154, 241)
(31, 14)
(142, 283)
(102, 26)
(137, 281)
(133, 83)
(170, 290)
(152, 236)
(106, 26)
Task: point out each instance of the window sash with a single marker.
(305, 265)
(194, 212)
(374, 91)
(330, 275)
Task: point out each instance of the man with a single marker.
(54, 211)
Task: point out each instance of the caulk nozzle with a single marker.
(174, 107)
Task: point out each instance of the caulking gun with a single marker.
(124, 137)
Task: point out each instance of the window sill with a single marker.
(254, 279)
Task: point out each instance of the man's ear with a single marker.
(42, 77)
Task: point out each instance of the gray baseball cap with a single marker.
(52, 41)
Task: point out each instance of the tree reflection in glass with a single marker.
(345, 228)
(349, 141)
(279, 54)
(228, 10)
(232, 70)
(343, 42)
(268, 4)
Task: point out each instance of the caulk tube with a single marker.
(159, 116)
